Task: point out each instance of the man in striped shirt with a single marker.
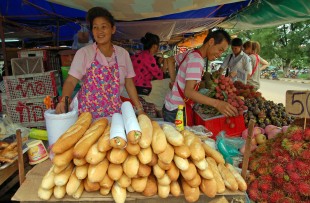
(191, 65)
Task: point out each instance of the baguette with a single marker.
(154, 160)
(158, 171)
(124, 181)
(48, 180)
(115, 171)
(190, 173)
(134, 136)
(105, 191)
(159, 141)
(207, 173)
(163, 165)
(167, 155)
(195, 182)
(59, 191)
(79, 162)
(147, 131)
(91, 186)
(209, 187)
(202, 164)
(73, 134)
(63, 159)
(242, 186)
(62, 178)
(163, 190)
(118, 142)
(191, 194)
(131, 166)
(189, 137)
(228, 177)
(78, 193)
(118, 193)
(73, 183)
(173, 172)
(197, 151)
(151, 187)
(217, 176)
(145, 155)
(90, 137)
(117, 156)
(97, 172)
(175, 188)
(45, 194)
(165, 180)
(144, 170)
(181, 163)
(104, 140)
(81, 171)
(139, 184)
(133, 149)
(58, 169)
(173, 136)
(94, 156)
(106, 182)
(182, 151)
(217, 156)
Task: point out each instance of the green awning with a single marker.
(269, 13)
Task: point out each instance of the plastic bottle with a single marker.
(179, 122)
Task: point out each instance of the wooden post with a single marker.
(247, 152)
(21, 170)
(3, 46)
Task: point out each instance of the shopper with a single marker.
(258, 64)
(237, 60)
(191, 65)
(104, 69)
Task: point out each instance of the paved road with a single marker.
(275, 90)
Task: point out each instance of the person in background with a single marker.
(247, 48)
(258, 64)
(104, 69)
(238, 60)
(191, 66)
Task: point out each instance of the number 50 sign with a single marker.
(298, 103)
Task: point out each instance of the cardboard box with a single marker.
(29, 189)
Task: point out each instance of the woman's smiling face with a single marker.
(102, 30)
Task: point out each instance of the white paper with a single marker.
(117, 127)
(129, 117)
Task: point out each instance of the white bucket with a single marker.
(57, 124)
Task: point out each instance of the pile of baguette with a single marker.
(159, 160)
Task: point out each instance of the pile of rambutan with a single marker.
(280, 169)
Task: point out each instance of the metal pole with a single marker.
(3, 47)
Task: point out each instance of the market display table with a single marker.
(29, 189)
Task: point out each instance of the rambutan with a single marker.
(302, 167)
(254, 194)
(278, 170)
(279, 181)
(297, 136)
(307, 134)
(294, 148)
(295, 197)
(293, 129)
(264, 196)
(266, 178)
(290, 167)
(304, 189)
(294, 177)
(284, 158)
(286, 200)
(253, 165)
(276, 195)
(289, 188)
(305, 154)
(251, 177)
(262, 170)
(265, 187)
(254, 184)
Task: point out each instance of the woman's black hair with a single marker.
(99, 12)
(148, 40)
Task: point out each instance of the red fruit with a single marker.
(297, 136)
(304, 189)
(216, 81)
(222, 87)
(262, 170)
(278, 170)
(295, 197)
(217, 88)
(302, 167)
(265, 187)
(275, 196)
(217, 95)
(286, 200)
(254, 184)
(264, 196)
(305, 154)
(290, 167)
(266, 178)
(307, 134)
(289, 188)
(279, 181)
(254, 194)
(294, 177)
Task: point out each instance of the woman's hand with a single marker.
(226, 109)
(60, 108)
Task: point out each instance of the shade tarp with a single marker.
(269, 13)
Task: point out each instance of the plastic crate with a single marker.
(27, 65)
(218, 123)
(31, 85)
(27, 112)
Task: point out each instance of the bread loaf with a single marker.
(73, 183)
(154, 160)
(91, 186)
(195, 182)
(175, 188)
(202, 164)
(124, 181)
(48, 181)
(115, 171)
(242, 186)
(217, 156)
(146, 129)
(106, 182)
(134, 136)
(159, 141)
(228, 177)
(79, 162)
(173, 136)
(163, 165)
(163, 190)
(94, 156)
(45, 194)
(59, 191)
(63, 159)
(167, 155)
(73, 134)
(173, 172)
(217, 176)
(58, 169)
(190, 173)
(139, 184)
(189, 137)
(90, 137)
(191, 194)
(165, 180)
(145, 155)
(197, 151)
(158, 171)
(151, 187)
(62, 178)
(105, 191)
(117, 156)
(144, 170)
(131, 166)
(104, 140)
(118, 193)
(118, 142)
(206, 173)
(181, 163)
(78, 193)
(81, 171)
(182, 151)
(132, 149)
(209, 187)
(97, 172)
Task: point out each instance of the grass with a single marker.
(305, 76)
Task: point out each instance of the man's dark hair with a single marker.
(99, 12)
(236, 42)
(218, 36)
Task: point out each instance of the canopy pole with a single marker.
(3, 47)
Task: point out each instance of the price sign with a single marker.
(298, 103)
(242, 76)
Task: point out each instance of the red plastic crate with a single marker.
(218, 123)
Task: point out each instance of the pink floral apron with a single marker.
(100, 92)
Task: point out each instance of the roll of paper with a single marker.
(129, 118)
(117, 127)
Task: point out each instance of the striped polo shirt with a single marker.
(190, 69)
